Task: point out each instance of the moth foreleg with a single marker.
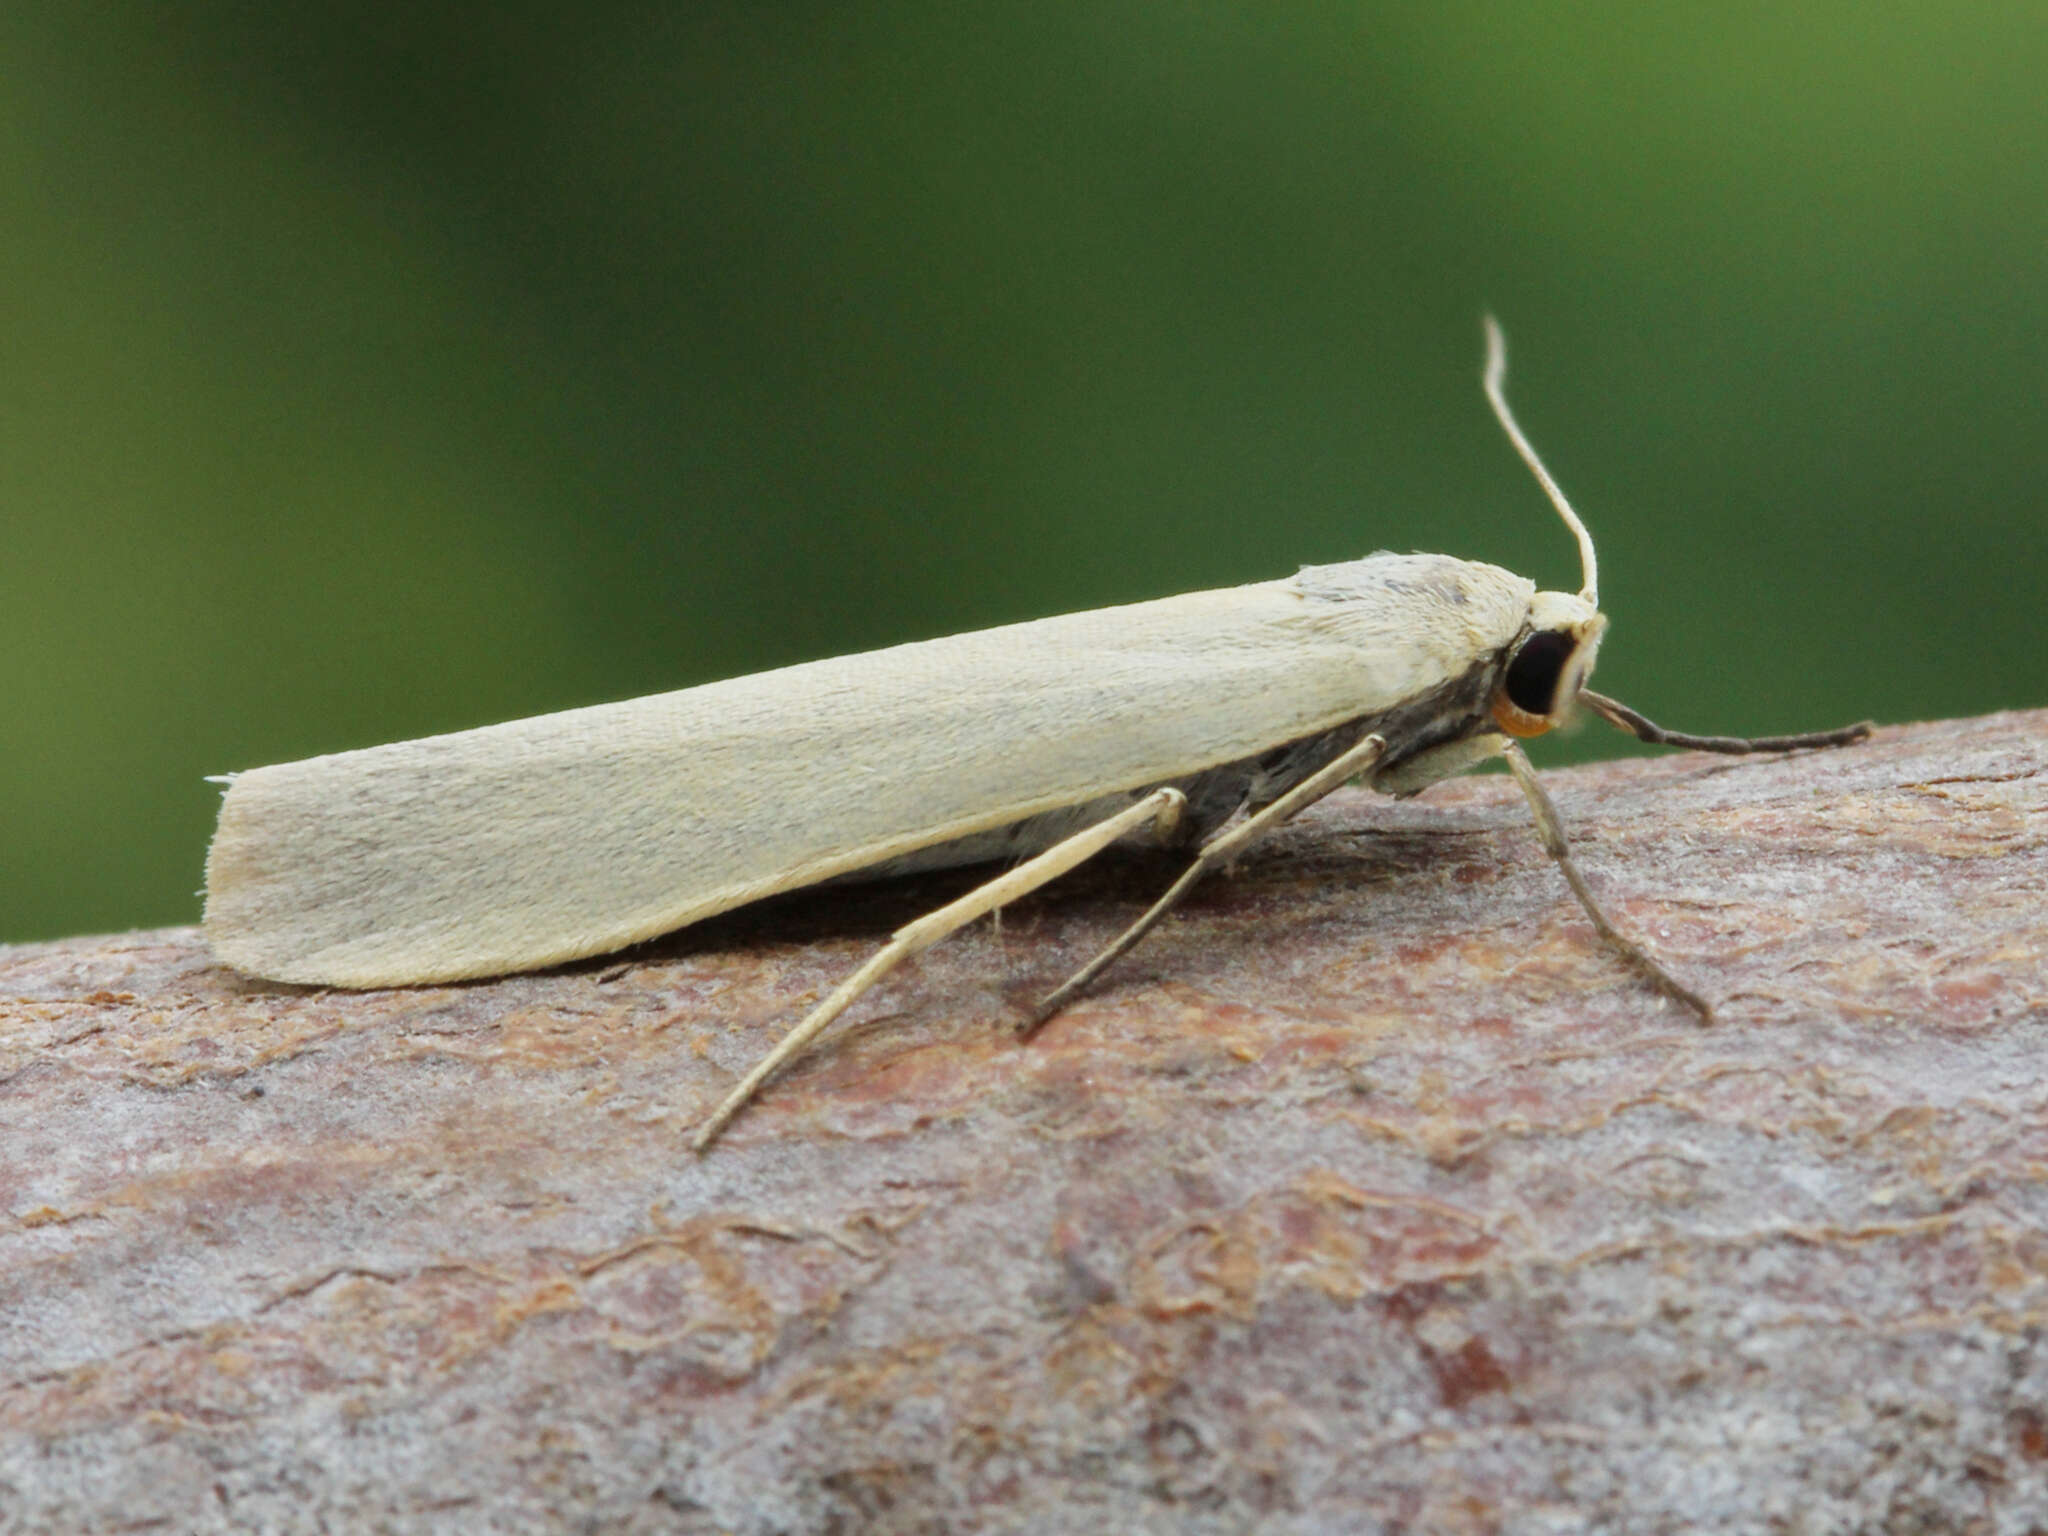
(1162, 808)
(1220, 849)
(1551, 830)
(1620, 716)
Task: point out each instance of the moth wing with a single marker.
(543, 840)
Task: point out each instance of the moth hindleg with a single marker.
(1162, 808)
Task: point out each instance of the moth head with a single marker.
(1548, 664)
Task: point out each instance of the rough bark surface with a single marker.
(1370, 1195)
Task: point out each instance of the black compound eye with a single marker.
(1538, 666)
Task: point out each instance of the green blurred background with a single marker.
(375, 371)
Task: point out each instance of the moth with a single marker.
(1202, 720)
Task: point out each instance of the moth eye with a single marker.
(1536, 669)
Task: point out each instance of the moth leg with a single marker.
(1551, 830)
(1220, 849)
(1162, 808)
(1643, 728)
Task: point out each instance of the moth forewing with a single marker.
(543, 840)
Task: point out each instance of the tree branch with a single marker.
(1370, 1192)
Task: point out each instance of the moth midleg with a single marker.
(1220, 849)
(1162, 808)
(1550, 829)
(1620, 716)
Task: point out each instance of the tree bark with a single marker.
(1370, 1194)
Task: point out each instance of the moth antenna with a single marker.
(1496, 370)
